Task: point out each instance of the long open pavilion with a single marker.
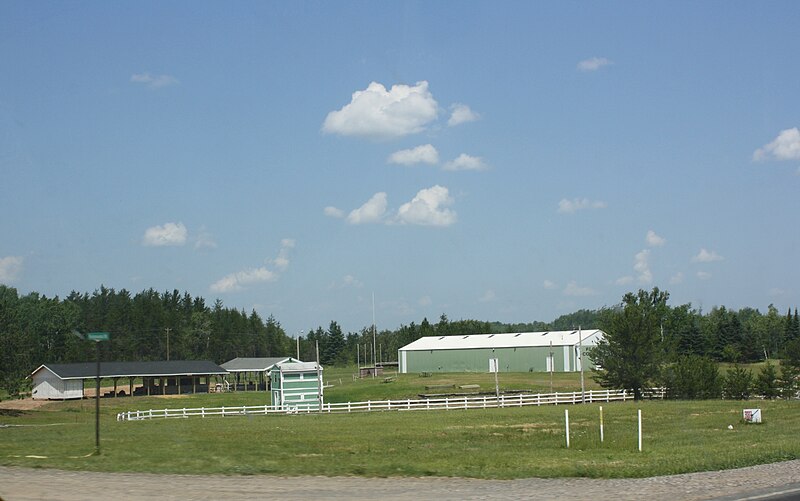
(171, 377)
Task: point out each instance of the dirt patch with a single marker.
(22, 404)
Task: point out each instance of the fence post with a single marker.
(601, 424)
(640, 430)
(566, 420)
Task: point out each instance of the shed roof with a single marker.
(255, 364)
(85, 370)
(298, 367)
(505, 340)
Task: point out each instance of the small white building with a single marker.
(297, 386)
(47, 385)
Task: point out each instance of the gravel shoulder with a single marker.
(21, 484)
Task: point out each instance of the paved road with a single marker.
(20, 484)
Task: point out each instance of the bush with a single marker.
(693, 377)
(738, 383)
(767, 383)
(790, 381)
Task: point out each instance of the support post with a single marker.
(566, 421)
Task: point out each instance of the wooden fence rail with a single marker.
(450, 403)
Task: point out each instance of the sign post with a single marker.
(97, 337)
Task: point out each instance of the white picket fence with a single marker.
(449, 403)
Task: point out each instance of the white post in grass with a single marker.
(640, 430)
(566, 420)
(601, 424)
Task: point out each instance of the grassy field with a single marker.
(492, 443)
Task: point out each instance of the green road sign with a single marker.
(97, 336)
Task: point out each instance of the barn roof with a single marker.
(505, 340)
(85, 370)
(255, 364)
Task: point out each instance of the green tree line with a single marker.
(35, 329)
(149, 325)
(648, 343)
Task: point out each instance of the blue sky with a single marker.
(498, 161)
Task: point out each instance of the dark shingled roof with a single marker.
(85, 370)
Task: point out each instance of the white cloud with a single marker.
(703, 275)
(705, 256)
(654, 240)
(371, 212)
(282, 261)
(488, 297)
(425, 153)
(425, 301)
(676, 278)
(154, 81)
(785, 147)
(205, 240)
(378, 113)
(624, 280)
(169, 234)
(573, 289)
(466, 162)
(571, 206)
(347, 282)
(593, 64)
(240, 279)
(237, 281)
(428, 208)
(10, 268)
(461, 113)
(549, 285)
(641, 265)
(331, 211)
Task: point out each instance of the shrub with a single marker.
(767, 382)
(693, 377)
(738, 383)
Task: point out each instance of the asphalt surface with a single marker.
(764, 482)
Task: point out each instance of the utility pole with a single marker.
(374, 363)
(552, 363)
(298, 344)
(167, 329)
(580, 359)
(319, 380)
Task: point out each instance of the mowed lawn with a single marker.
(487, 443)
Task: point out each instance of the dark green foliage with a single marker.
(632, 352)
(790, 381)
(35, 329)
(738, 383)
(693, 377)
(767, 383)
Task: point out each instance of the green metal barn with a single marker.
(556, 351)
